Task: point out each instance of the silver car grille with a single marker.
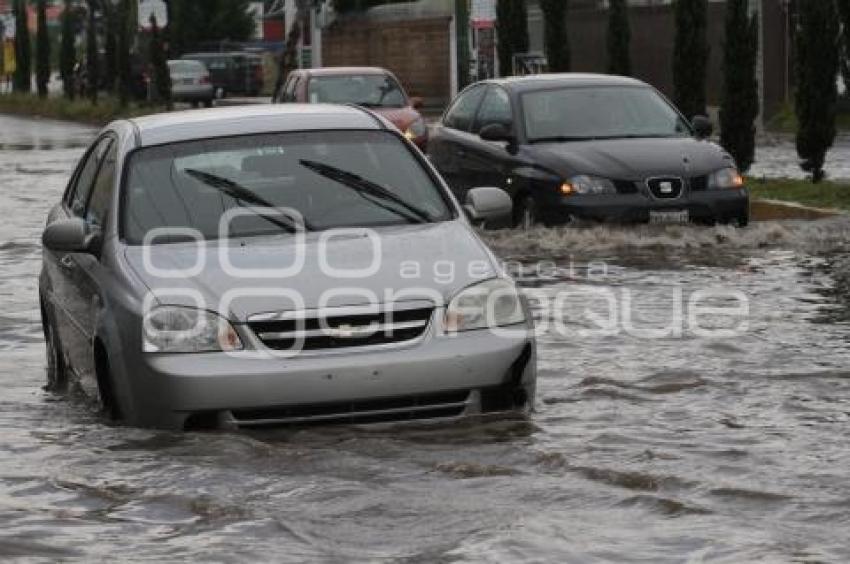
(341, 328)
(376, 410)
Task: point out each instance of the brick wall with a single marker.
(416, 51)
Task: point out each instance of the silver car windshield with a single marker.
(608, 112)
(329, 179)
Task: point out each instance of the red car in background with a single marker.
(369, 87)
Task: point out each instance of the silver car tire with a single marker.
(56, 375)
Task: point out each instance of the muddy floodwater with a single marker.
(653, 441)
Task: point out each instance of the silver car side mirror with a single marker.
(488, 204)
(70, 236)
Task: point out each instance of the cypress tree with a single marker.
(690, 56)
(110, 47)
(42, 61)
(844, 10)
(159, 64)
(68, 54)
(123, 55)
(512, 27)
(817, 95)
(23, 69)
(92, 66)
(555, 38)
(619, 39)
(740, 104)
(462, 19)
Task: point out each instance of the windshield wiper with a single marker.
(369, 189)
(561, 139)
(242, 194)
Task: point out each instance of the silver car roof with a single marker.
(174, 127)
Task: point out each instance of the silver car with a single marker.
(190, 82)
(278, 265)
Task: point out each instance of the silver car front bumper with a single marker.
(438, 377)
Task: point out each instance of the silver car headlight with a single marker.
(725, 179)
(584, 184)
(494, 303)
(187, 330)
(416, 129)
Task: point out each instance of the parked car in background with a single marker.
(587, 147)
(232, 73)
(190, 82)
(237, 195)
(374, 88)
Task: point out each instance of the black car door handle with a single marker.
(66, 262)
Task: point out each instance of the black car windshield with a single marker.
(607, 112)
(368, 90)
(276, 183)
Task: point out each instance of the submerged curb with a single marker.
(771, 210)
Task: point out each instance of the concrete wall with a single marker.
(417, 51)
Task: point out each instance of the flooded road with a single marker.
(649, 444)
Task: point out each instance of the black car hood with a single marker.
(630, 159)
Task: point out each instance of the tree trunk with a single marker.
(42, 68)
(68, 54)
(23, 70)
(92, 66)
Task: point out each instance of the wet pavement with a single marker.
(776, 156)
(667, 448)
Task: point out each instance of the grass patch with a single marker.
(825, 194)
(80, 110)
(785, 120)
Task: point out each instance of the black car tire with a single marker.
(208, 103)
(195, 104)
(525, 214)
(57, 377)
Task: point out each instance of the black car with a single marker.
(572, 147)
(237, 72)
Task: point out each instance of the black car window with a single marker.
(462, 112)
(101, 196)
(496, 108)
(85, 179)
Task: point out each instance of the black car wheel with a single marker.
(744, 219)
(208, 103)
(525, 214)
(56, 375)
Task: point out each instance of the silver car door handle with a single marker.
(66, 262)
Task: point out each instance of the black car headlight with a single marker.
(725, 179)
(177, 329)
(585, 184)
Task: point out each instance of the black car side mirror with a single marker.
(71, 236)
(702, 127)
(496, 132)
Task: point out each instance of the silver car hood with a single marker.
(418, 262)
